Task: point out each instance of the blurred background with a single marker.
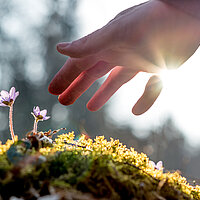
(29, 31)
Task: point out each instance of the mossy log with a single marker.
(85, 169)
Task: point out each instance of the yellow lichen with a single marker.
(6, 146)
(119, 153)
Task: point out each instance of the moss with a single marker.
(105, 169)
(4, 166)
(70, 166)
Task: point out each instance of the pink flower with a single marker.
(7, 99)
(40, 115)
(158, 166)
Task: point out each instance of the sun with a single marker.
(169, 77)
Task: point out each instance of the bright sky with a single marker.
(180, 98)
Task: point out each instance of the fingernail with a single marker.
(63, 45)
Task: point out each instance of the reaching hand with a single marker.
(145, 38)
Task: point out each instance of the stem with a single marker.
(11, 123)
(35, 126)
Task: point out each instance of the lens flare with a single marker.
(168, 77)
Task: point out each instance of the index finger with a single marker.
(69, 72)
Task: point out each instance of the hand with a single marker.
(145, 38)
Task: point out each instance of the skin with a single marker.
(148, 38)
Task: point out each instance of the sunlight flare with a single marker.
(169, 77)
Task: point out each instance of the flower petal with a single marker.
(43, 112)
(1, 99)
(46, 117)
(36, 110)
(5, 95)
(16, 95)
(152, 163)
(12, 93)
(159, 165)
(3, 105)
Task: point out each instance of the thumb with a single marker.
(151, 93)
(89, 44)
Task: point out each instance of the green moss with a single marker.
(104, 169)
(69, 166)
(4, 166)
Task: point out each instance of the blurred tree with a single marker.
(29, 61)
(10, 61)
(169, 145)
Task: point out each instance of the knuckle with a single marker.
(89, 74)
(83, 40)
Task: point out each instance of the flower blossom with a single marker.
(7, 99)
(40, 115)
(158, 166)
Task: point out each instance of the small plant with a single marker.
(7, 100)
(39, 116)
